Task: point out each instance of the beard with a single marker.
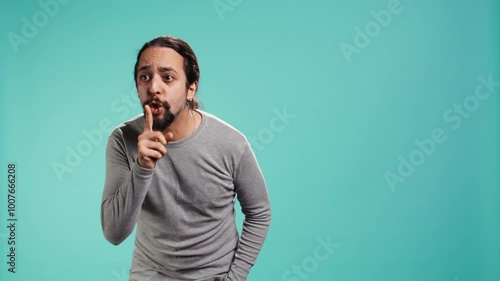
(160, 124)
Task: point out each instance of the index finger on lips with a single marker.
(148, 119)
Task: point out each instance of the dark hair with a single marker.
(191, 68)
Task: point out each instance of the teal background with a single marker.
(324, 169)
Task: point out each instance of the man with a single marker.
(175, 172)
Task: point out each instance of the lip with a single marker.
(156, 111)
(156, 108)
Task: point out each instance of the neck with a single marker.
(184, 124)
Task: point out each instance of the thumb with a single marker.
(169, 136)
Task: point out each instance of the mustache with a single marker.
(156, 102)
(160, 123)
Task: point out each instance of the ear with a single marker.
(192, 90)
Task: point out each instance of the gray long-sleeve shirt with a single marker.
(184, 207)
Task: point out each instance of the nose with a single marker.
(154, 86)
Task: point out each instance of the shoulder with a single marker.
(221, 127)
(129, 129)
(223, 132)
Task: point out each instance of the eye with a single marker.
(144, 77)
(168, 77)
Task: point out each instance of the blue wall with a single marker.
(374, 122)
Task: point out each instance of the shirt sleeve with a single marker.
(125, 188)
(254, 200)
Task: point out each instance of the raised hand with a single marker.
(151, 144)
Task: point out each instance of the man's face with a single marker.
(161, 83)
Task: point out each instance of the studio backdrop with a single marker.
(375, 125)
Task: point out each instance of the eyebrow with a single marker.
(160, 69)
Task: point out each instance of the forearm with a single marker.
(253, 235)
(125, 188)
(120, 210)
